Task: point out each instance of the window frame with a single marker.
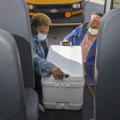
(108, 5)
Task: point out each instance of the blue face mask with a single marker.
(41, 36)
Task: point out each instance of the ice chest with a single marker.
(68, 93)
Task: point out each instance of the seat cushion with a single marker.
(32, 102)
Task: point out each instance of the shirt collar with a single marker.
(35, 37)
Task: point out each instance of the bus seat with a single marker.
(108, 67)
(12, 104)
(16, 102)
(14, 18)
(31, 99)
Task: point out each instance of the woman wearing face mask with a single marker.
(40, 27)
(85, 36)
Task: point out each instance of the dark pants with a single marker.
(38, 86)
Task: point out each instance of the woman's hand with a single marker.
(57, 73)
(66, 43)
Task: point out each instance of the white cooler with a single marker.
(66, 93)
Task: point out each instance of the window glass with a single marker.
(116, 4)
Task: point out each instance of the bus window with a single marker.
(111, 4)
(116, 4)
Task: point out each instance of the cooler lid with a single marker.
(68, 58)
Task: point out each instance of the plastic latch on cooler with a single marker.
(62, 84)
(62, 105)
(59, 84)
(67, 85)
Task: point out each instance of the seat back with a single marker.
(14, 19)
(12, 102)
(108, 67)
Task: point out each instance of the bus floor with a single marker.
(84, 114)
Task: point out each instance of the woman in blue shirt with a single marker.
(85, 36)
(40, 27)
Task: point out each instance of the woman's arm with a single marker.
(74, 33)
(40, 64)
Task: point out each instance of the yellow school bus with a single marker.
(61, 12)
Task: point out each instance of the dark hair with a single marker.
(98, 13)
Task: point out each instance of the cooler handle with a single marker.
(66, 76)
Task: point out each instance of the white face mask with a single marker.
(41, 36)
(93, 31)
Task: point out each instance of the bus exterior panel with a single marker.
(67, 12)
